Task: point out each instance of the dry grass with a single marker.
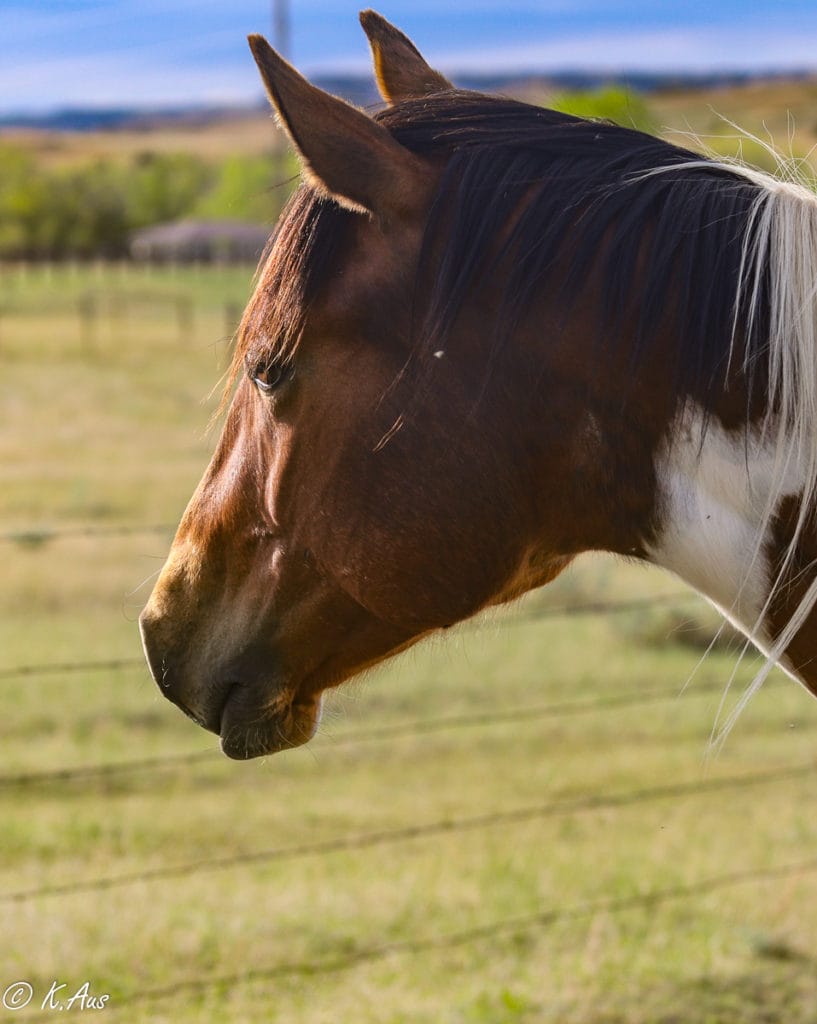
(116, 433)
(250, 134)
(782, 112)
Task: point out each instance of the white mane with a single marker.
(778, 266)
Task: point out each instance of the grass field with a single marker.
(251, 133)
(777, 112)
(517, 825)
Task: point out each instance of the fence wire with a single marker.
(577, 706)
(372, 734)
(33, 536)
(521, 924)
(522, 618)
(407, 833)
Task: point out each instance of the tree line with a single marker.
(91, 210)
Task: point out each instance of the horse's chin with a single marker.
(247, 731)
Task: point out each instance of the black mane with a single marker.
(670, 240)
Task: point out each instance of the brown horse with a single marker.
(487, 337)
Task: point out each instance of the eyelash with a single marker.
(269, 376)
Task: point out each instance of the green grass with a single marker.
(114, 433)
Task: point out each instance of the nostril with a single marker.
(174, 675)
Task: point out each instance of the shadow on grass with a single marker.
(781, 990)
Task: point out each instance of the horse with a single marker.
(486, 337)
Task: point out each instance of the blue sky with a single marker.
(164, 52)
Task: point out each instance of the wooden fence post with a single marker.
(232, 318)
(88, 312)
(184, 317)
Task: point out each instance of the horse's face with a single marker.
(331, 527)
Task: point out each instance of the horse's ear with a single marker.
(344, 154)
(399, 67)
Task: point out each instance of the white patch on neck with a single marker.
(713, 505)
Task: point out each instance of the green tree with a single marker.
(163, 187)
(250, 188)
(91, 210)
(91, 218)
(23, 196)
(612, 103)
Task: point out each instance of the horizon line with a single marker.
(340, 73)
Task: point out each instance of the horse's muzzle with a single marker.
(253, 714)
(249, 732)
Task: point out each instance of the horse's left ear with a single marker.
(344, 153)
(399, 67)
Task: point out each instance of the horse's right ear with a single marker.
(399, 67)
(344, 153)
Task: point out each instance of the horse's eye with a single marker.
(267, 377)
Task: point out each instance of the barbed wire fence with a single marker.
(35, 535)
(415, 728)
(395, 836)
(113, 296)
(402, 730)
(491, 930)
(408, 833)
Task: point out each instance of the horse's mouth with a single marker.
(248, 730)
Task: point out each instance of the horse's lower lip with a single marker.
(248, 730)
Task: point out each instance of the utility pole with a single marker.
(281, 28)
(281, 36)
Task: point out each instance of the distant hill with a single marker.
(680, 108)
(360, 89)
(117, 118)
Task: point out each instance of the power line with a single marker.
(407, 833)
(520, 924)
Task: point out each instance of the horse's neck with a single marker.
(709, 514)
(718, 497)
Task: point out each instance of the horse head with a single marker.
(347, 510)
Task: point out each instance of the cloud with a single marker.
(170, 52)
(680, 49)
(114, 80)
